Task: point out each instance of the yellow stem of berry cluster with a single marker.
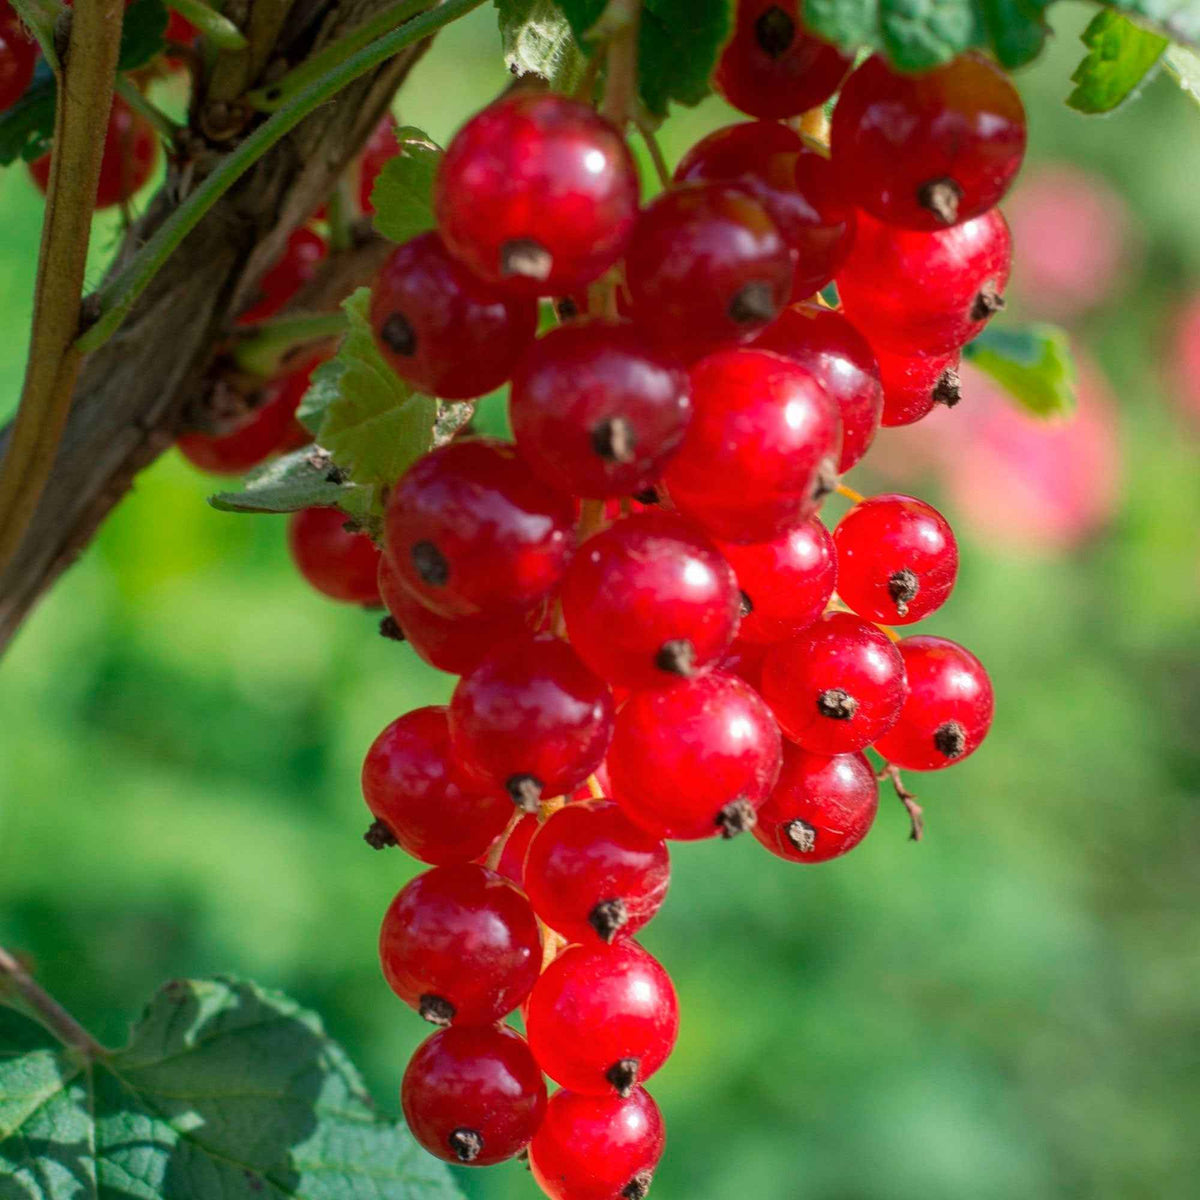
(850, 494)
(837, 604)
(497, 851)
(591, 519)
(593, 786)
(814, 125)
(552, 943)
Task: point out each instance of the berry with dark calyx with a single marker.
(837, 686)
(537, 194)
(948, 710)
(820, 808)
(296, 266)
(339, 564)
(18, 57)
(469, 529)
(473, 1096)
(591, 875)
(531, 719)
(828, 345)
(694, 759)
(597, 411)
(597, 1147)
(516, 848)
(773, 67)
(649, 599)
(411, 784)
(603, 1019)
(914, 384)
(380, 149)
(930, 150)
(460, 944)
(785, 583)
(442, 329)
(762, 450)
(707, 267)
(897, 559)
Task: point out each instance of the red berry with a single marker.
(773, 67)
(914, 383)
(828, 345)
(339, 564)
(460, 943)
(836, 687)
(820, 808)
(930, 150)
(948, 710)
(707, 267)
(896, 559)
(441, 329)
(295, 267)
(469, 530)
(179, 29)
(516, 848)
(412, 786)
(761, 452)
(603, 1018)
(591, 874)
(786, 583)
(694, 759)
(473, 1096)
(597, 411)
(532, 719)
(745, 660)
(537, 193)
(597, 1147)
(380, 149)
(18, 57)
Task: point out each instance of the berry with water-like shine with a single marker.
(914, 384)
(296, 266)
(745, 659)
(338, 563)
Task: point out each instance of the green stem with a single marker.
(221, 31)
(340, 209)
(42, 16)
(260, 348)
(136, 99)
(48, 1010)
(118, 295)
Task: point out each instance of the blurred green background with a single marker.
(1008, 1009)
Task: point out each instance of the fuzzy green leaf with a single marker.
(1183, 66)
(536, 37)
(403, 194)
(1120, 56)
(142, 34)
(1033, 364)
(305, 478)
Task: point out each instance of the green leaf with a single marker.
(1120, 56)
(1033, 364)
(225, 1091)
(305, 478)
(1183, 66)
(536, 37)
(403, 193)
(142, 33)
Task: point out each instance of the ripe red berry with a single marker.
(179, 29)
(516, 848)
(785, 583)
(707, 267)
(537, 193)
(441, 329)
(836, 687)
(531, 719)
(603, 1019)
(761, 452)
(473, 1096)
(820, 808)
(930, 150)
(283, 280)
(948, 710)
(597, 411)
(592, 875)
(380, 149)
(18, 57)
(914, 383)
(828, 345)
(597, 1147)
(470, 530)
(897, 559)
(339, 564)
(460, 943)
(773, 67)
(745, 660)
(695, 759)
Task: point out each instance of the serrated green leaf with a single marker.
(1120, 56)
(403, 193)
(224, 1091)
(1183, 65)
(536, 37)
(305, 478)
(1033, 364)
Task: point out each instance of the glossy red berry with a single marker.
(948, 710)
(762, 450)
(695, 759)
(460, 943)
(829, 346)
(179, 29)
(441, 329)
(785, 583)
(531, 719)
(603, 1019)
(380, 149)
(707, 267)
(773, 67)
(745, 660)
(897, 559)
(469, 529)
(516, 848)
(597, 1147)
(914, 384)
(929, 150)
(473, 1096)
(537, 193)
(18, 57)
(597, 411)
(294, 268)
(339, 564)
(836, 687)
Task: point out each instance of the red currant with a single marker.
(179, 29)
(836, 687)
(18, 57)
(914, 383)
(473, 1096)
(948, 710)
(516, 849)
(745, 660)
(380, 149)
(295, 267)
(339, 564)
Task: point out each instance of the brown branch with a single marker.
(47, 1009)
(916, 814)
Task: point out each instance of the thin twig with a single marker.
(656, 154)
(916, 814)
(618, 25)
(48, 1010)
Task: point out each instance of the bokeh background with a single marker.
(1008, 1009)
